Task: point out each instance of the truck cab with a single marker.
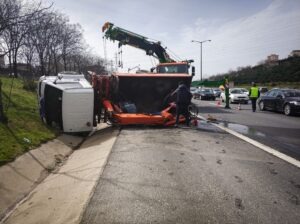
(175, 67)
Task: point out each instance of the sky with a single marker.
(242, 32)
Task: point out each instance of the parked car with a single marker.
(205, 94)
(282, 100)
(236, 95)
(263, 90)
(217, 92)
(193, 90)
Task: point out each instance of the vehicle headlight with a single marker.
(295, 102)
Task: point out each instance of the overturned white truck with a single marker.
(66, 101)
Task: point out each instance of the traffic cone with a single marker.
(195, 122)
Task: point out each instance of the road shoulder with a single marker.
(21, 176)
(63, 195)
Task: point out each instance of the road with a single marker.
(193, 176)
(270, 128)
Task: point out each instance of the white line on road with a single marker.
(213, 104)
(259, 145)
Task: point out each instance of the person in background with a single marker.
(254, 94)
(183, 101)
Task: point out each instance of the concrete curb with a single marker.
(20, 177)
(101, 171)
(59, 193)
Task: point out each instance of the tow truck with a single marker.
(140, 98)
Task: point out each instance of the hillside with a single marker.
(24, 129)
(287, 70)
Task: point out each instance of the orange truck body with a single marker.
(149, 92)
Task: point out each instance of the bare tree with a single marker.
(7, 9)
(72, 41)
(41, 30)
(33, 33)
(16, 13)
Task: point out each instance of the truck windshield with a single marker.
(173, 69)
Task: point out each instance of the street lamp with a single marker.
(200, 42)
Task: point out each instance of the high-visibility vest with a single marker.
(254, 92)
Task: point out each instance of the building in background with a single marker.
(295, 53)
(272, 59)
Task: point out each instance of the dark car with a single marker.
(283, 100)
(263, 90)
(205, 94)
(217, 92)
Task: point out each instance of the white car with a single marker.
(236, 95)
(245, 91)
(193, 90)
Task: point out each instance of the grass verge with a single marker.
(24, 129)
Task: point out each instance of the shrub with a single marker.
(29, 85)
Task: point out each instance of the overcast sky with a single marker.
(243, 32)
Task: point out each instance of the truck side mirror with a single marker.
(193, 70)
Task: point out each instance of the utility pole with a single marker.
(200, 42)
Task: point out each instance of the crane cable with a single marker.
(151, 60)
(165, 47)
(105, 52)
(120, 63)
(174, 55)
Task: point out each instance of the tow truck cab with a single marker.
(175, 67)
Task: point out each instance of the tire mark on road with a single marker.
(238, 179)
(293, 198)
(239, 204)
(273, 171)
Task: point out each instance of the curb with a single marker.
(102, 169)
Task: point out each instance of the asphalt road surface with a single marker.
(193, 176)
(270, 128)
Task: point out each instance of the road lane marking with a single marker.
(258, 145)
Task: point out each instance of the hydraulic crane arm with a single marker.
(126, 37)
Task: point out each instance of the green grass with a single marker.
(23, 122)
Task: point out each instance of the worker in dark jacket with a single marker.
(254, 94)
(183, 101)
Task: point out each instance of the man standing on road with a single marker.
(183, 101)
(254, 94)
